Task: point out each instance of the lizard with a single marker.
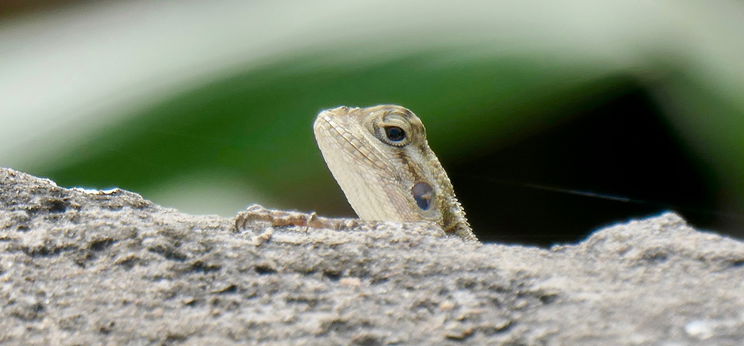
(383, 163)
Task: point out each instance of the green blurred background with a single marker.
(552, 118)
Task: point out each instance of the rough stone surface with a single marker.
(93, 267)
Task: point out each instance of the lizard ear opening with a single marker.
(423, 193)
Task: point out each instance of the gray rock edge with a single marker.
(109, 267)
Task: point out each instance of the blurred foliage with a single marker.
(257, 125)
(242, 134)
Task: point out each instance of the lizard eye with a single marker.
(423, 193)
(394, 130)
(395, 133)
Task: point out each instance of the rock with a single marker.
(84, 267)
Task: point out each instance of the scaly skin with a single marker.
(378, 174)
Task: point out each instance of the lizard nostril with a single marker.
(423, 193)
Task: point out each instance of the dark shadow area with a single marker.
(543, 189)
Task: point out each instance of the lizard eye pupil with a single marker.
(423, 193)
(395, 134)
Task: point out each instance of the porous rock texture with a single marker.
(108, 267)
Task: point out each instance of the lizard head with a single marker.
(381, 159)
